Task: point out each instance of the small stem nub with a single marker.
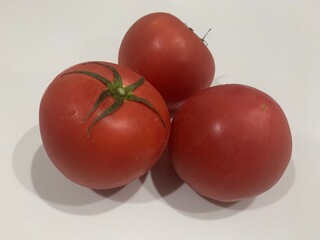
(121, 91)
(203, 39)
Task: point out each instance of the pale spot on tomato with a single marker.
(72, 112)
(217, 128)
(264, 107)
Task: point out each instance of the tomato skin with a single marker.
(170, 55)
(230, 142)
(120, 148)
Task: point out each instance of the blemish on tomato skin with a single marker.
(265, 110)
(264, 107)
(72, 112)
(69, 113)
(155, 119)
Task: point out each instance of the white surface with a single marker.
(272, 45)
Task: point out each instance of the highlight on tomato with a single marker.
(230, 142)
(103, 125)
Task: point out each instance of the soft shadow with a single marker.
(164, 178)
(189, 203)
(168, 186)
(37, 174)
(130, 193)
(186, 201)
(278, 191)
(52, 186)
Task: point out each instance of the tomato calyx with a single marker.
(115, 90)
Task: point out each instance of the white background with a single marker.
(271, 45)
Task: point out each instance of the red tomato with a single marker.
(170, 55)
(230, 142)
(102, 125)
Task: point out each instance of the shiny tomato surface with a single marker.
(230, 142)
(100, 138)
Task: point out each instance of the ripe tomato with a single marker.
(170, 55)
(230, 142)
(102, 125)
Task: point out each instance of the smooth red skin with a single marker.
(120, 148)
(230, 142)
(170, 55)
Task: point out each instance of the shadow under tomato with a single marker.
(64, 195)
(279, 190)
(168, 186)
(164, 178)
(187, 202)
(124, 193)
(35, 171)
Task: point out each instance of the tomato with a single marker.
(170, 55)
(102, 125)
(230, 142)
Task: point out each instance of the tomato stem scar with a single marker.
(121, 91)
